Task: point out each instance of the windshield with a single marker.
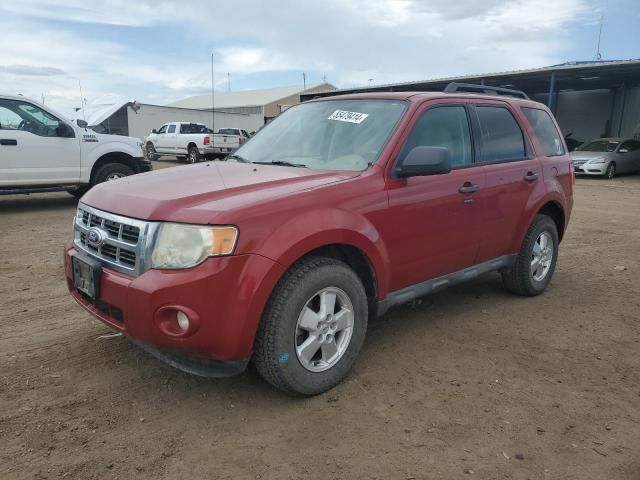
(228, 131)
(327, 135)
(599, 146)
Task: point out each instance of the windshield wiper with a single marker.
(238, 158)
(283, 163)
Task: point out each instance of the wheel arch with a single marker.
(112, 157)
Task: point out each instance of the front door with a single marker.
(433, 223)
(32, 152)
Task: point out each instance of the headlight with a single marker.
(598, 160)
(183, 246)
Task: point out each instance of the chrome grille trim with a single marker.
(123, 249)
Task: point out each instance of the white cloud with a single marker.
(349, 41)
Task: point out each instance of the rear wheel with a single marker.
(313, 327)
(112, 171)
(194, 155)
(611, 171)
(536, 261)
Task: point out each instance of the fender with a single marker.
(102, 145)
(532, 209)
(330, 226)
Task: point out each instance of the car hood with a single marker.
(578, 155)
(206, 192)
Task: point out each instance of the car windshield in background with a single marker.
(193, 128)
(599, 146)
(326, 135)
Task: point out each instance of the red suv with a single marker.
(334, 212)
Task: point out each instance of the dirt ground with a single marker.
(471, 383)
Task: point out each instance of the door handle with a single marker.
(8, 142)
(531, 177)
(469, 188)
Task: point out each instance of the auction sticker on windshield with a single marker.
(351, 117)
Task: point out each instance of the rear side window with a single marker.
(545, 130)
(172, 129)
(502, 138)
(443, 127)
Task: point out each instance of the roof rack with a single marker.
(485, 89)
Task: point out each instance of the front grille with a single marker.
(123, 241)
(577, 163)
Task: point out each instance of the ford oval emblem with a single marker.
(95, 237)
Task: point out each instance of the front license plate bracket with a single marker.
(86, 275)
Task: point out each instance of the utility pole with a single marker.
(598, 53)
(228, 82)
(43, 98)
(213, 115)
(324, 79)
(304, 81)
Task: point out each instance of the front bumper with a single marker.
(224, 298)
(590, 168)
(142, 164)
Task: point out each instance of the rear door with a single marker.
(32, 152)
(433, 219)
(512, 174)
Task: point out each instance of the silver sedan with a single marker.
(607, 157)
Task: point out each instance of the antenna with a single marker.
(304, 81)
(228, 82)
(370, 81)
(324, 79)
(213, 115)
(598, 53)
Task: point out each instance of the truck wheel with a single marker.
(111, 171)
(312, 328)
(194, 155)
(611, 171)
(536, 261)
(151, 152)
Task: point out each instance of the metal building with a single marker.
(590, 99)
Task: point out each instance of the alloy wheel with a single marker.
(542, 256)
(324, 329)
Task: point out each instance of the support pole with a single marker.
(552, 88)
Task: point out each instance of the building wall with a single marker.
(273, 109)
(626, 111)
(153, 116)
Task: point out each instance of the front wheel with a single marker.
(611, 171)
(536, 261)
(313, 327)
(112, 171)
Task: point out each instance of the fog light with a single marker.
(183, 321)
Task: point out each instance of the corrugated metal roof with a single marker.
(568, 66)
(244, 98)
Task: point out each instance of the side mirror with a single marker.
(82, 123)
(65, 131)
(423, 161)
(154, 130)
(623, 150)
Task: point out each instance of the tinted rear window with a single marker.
(545, 130)
(502, 139)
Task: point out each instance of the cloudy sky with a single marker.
(159, 51)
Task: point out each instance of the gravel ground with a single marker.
(470, 383)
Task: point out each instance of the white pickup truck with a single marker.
(189, 141)
(41, 151)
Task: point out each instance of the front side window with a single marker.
(163, 129)
(23, 116)
(502, 138)
(172, 129)
(545, 130)
(326, 135)
(446, 126)
(630, 146)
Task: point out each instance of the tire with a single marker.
(111, 171)
(280, 336)
(194, 155)
(611, 171)
(525, 278)
(151, 152)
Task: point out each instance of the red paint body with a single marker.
(410, 230)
